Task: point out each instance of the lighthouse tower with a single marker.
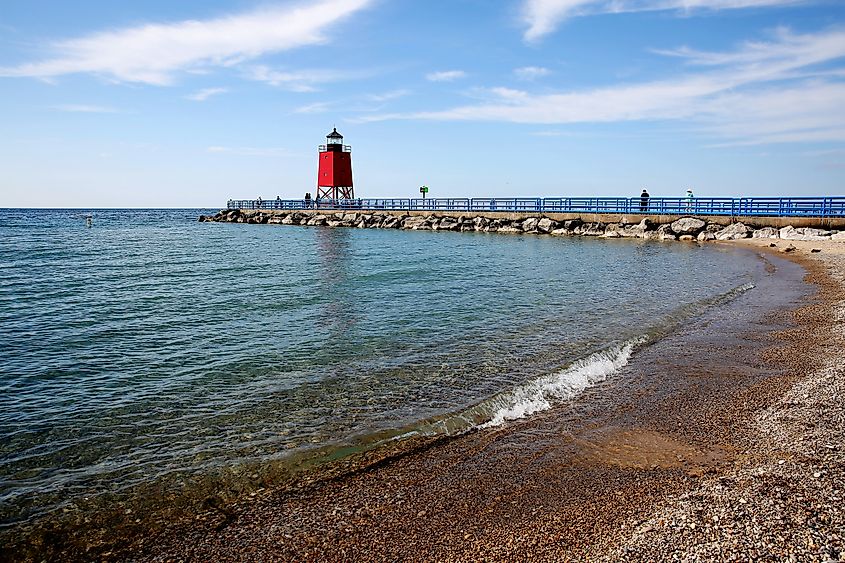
(334, 176)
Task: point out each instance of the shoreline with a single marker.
(635, 473)
(537, 489)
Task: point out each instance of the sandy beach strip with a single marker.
(733, 451)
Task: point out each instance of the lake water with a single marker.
(150, 346)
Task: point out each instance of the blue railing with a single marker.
(743, 206)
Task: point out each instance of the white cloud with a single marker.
(773, 93)
(153, 53)
(205, 93)
(531, 72)
(79, 108)
(445, 75)
(544, 16)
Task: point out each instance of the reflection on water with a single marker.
(337, 310)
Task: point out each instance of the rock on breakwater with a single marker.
(684, 228)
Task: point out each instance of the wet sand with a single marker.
(732, 450)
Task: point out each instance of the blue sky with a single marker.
(171, 104)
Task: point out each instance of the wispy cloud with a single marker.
(735, 97)
(81, 108)
(318, 107)
(531, 72)
(205, 93)
(445, 75)
(544, 16)
(250, 151)
(301, 80)
(153, 53)
(387, 96)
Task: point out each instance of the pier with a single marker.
(743, 206)
(817, 212)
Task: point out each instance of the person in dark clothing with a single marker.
(307, 199)
(644, 201)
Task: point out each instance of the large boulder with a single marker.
(546, 225)
(414, 222)
(447, 224)
(572, 224)
(687, 226)
(590, 229)
(734, 232)
(530, 225)
(765, 232)
(391, 223)
(509, 229)
(803, 233)
(665, 232)
(635, 231)
(838, 236)
(612, 231)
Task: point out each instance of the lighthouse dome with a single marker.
(334, 137)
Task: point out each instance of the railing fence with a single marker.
(744, 206)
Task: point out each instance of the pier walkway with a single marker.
(743, 206)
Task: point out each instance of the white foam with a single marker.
(540, 394)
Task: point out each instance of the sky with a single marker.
(192, 103)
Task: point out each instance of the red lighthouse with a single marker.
(334, 176)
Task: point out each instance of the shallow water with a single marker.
(150, 345)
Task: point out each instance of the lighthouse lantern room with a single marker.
(334, 175)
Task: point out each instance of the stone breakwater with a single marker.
(685, 228)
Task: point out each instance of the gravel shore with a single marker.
(782, 499)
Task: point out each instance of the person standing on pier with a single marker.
(644, 201)
(307, 200)
(690, 198)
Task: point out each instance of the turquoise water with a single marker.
(150, 345)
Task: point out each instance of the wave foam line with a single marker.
(542, 393)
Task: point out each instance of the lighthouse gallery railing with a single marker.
(744, 206)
